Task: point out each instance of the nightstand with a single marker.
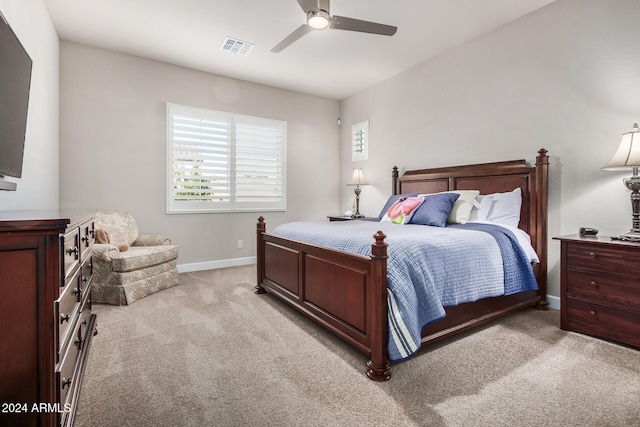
(348, 218)
(340, 218)
(600, 287)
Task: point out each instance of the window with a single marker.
(360, 141)
(221, 162)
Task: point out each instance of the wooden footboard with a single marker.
(347, 293)
(344, 292)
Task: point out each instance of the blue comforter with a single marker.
(428, 268)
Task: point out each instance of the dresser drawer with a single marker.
(87, 233)
(609, 289)
(71, 248)
(86, 274)
(84, 327)
(66, 309)
(602, 321)
(603, 257)
(65, 372)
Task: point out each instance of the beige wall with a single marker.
(38, 186)
(566, 78)
(112, 146)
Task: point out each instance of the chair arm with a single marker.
(105, 251)
(152, 240)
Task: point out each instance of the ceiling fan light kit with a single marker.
(319, 18)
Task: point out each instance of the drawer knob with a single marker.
(591, 312)
(64, 318)
(592, 254)
(73, 251)
(66, 383)
(593, 284)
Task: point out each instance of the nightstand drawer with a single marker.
(621, 291)
(602, 257)
(601, 321)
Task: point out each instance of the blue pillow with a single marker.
(391, 201)
(435, 209)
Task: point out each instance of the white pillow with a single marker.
(462, 207)
(501, 208)
(481, 206)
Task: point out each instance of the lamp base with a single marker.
(631, 236)
(357, 216)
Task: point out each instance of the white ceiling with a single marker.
(330, 63)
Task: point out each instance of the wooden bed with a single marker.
(347, 293)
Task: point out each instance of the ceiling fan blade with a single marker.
(308, 5)
(350, 24)
(297, 33)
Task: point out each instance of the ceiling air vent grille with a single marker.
(236, 46)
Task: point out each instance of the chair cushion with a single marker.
(139, 257)
(120, 225)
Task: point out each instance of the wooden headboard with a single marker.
(498, 177)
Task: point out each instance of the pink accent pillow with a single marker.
(402, 210)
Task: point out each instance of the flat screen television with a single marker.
(15, 83)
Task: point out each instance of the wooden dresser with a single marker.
(600, 288)
(45, 314)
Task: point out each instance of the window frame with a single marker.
(221, 159)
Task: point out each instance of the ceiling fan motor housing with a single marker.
(323, 5)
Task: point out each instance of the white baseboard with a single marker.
(554, 302)
(212, 265)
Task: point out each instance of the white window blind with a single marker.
(219, 162)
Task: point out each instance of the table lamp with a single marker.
(628, 157)
(357, 179)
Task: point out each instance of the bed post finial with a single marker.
(542, 156)
(260, 228)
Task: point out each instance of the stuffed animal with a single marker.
(103, 237)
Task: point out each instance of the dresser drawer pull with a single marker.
(592, 254)
(592, 312)
(64, 318)
(73, 251)
(593, 284)
(66, 383)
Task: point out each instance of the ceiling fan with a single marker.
(318, 18)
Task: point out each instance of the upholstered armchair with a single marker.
(128, 265)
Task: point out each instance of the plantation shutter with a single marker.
(259, 165)
(218, 161)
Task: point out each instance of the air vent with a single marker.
(236, 46)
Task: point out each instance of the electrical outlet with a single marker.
(240, 244)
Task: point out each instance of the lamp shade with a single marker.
(358, 178)
(628, 154)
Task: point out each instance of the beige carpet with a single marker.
(210, 352)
